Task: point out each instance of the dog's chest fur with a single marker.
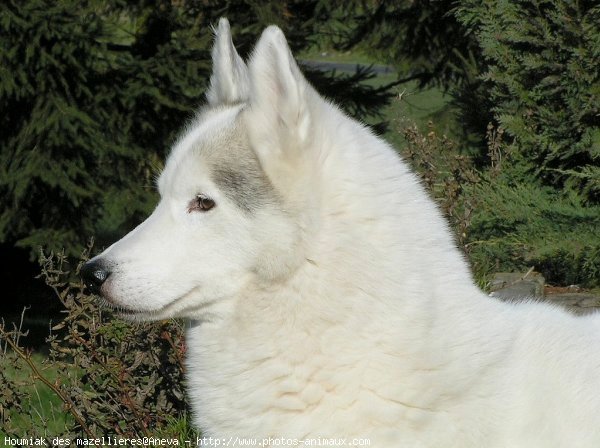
(317, 373)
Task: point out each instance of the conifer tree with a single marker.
(530, 67)
(543, 77)
(92, 95)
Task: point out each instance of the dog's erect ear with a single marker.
(278, 91)
(229, 81)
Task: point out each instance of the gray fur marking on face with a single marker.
(249, 190)
(235, 169)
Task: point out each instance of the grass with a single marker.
(36, 410)
(413, 105)
(45, 415)
(44, 408)
(331, 55)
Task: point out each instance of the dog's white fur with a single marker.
(336, 304)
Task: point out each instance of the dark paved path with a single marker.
(345, 66)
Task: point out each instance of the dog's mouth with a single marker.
(122, 311)
(143, 314)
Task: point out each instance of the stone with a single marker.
(579, 303)
(515, 285)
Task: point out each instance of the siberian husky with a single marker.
(327, 301)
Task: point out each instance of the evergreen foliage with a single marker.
(87, 112)
(502, 218)
(427, 44)
(524, 224)
(543, 78)
(519, 223)
(530, 68)
(92, 94)
(419, 37)
(541, 73)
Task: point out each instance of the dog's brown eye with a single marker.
(201, 203)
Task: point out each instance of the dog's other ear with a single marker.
(229, 81)
(279, 94)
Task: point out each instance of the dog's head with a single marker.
(235, 207)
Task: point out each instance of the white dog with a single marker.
(325, 295)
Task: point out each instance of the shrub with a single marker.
(529, 66)
(112, 378)
(503, 220)
(519, 224)
(445, 173)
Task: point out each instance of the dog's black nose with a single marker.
(94, 274)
